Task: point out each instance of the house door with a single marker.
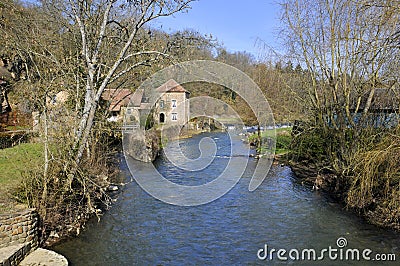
(162, 117)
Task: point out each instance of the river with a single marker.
(281, 213)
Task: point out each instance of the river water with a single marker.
(281, 213)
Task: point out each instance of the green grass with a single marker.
(283, 139)
(278, 131)
(15, 161)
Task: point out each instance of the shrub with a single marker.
(375, 183)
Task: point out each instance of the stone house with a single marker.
(170, 109)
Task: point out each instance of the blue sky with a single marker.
(235, 23)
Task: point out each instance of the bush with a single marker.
(310, 145)
(375, 183)
(283, 141)
(67, 195)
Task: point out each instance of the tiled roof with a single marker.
(171, 86)
(137, 97)
(117, 98)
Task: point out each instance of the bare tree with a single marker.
(110, 37)
(347, 48)
(351, 52)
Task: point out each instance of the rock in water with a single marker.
(112, 188)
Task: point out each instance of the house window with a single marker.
(174, 117)
(161, 104)
(162, 117)
(173, 103)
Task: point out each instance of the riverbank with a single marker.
(45, 257)
(22, 167)
(281, 135)
(19, 241)
(316, 172)
(368, 184)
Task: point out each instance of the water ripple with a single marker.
(140, 230)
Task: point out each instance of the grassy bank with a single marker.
(65, 200)
(361, 169)
(283, 139)
(14, 162)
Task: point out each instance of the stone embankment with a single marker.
(19, 237)
(143, 147)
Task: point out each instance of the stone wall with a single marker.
(19, 228)
(142, 147)
(173, 103)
